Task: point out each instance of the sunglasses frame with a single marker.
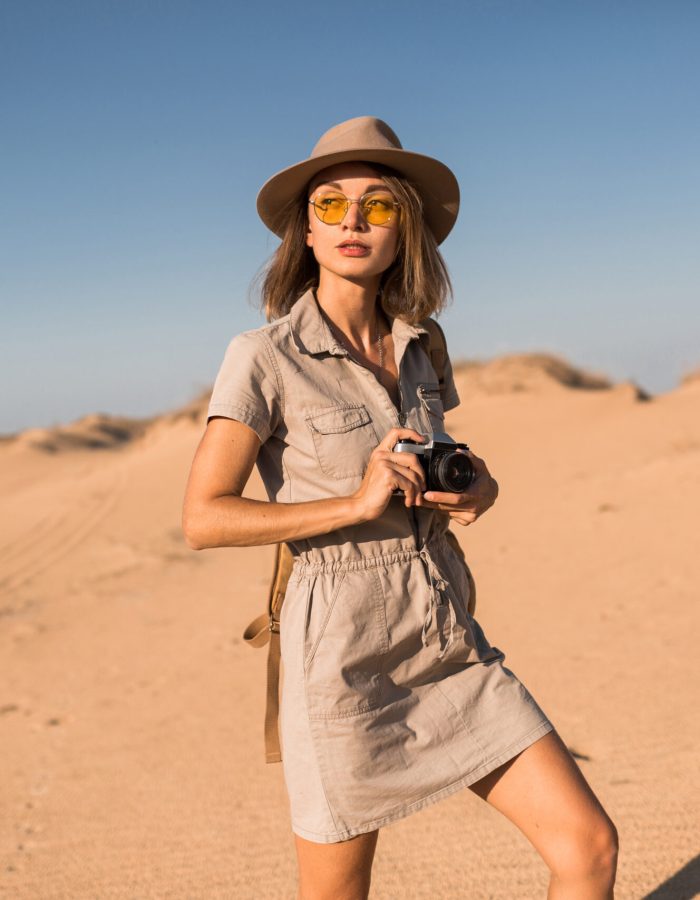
(348, 203)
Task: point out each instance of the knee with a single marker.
(591, 853)
(606, 846)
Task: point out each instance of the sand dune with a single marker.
(131, 711)
(691, 379)
(503, 374)
(534, 372)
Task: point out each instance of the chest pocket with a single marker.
(430, 402)
(344, 438)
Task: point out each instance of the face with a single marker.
(380, 241)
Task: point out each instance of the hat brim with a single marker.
(436, 183)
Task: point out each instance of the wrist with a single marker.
(355, 511)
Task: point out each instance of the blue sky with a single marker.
(136, 135)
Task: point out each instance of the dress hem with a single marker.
(402, 812)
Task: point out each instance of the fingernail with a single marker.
(429, 495)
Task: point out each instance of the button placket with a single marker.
(399, 416)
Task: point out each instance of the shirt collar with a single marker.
(312, 335)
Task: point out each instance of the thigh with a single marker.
(543, 791)
(341, 871)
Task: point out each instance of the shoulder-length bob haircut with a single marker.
(416, 284)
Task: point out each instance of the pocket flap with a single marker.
(339, 419)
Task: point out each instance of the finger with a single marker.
(396, 434)
(414, 476)
(409, 481)
(463, 518)
(408, 461)
(459, 520)
(466, 515)
(404, 480)
(448, 498)
(445, 507)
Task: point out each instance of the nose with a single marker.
(354, 220)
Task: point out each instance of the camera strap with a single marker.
(437, 349)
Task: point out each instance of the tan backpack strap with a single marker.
(266, 628)
(457, 547)
(257, 634)
(273, 752)
(284, 562)
(437, 349)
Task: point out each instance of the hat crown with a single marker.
(360, 133)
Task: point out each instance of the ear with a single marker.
(309, 237)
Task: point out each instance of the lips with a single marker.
(353, 248)
(354, 244)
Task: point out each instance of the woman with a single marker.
(392, 697)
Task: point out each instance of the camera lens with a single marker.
(455, 472)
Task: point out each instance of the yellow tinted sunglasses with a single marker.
(377, 207)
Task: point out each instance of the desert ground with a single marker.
(131, 709)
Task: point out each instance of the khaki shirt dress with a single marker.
(392, 697)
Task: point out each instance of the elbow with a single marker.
(192, 542)
(192, 534)
(202, 527)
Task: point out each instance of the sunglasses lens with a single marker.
(378, 208)
(330, 207)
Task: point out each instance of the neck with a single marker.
(352, 307)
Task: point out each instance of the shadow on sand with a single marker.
(684, 885)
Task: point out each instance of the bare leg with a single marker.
(340, 871)
(543, 792)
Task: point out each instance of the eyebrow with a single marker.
(370, 187)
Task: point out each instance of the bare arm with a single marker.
(214, 513)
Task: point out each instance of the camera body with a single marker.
(446, 467)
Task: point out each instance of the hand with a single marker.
(387, 471)
(466, 508)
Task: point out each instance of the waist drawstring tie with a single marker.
(438, 586)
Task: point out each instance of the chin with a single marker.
(358, 268)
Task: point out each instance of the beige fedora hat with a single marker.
(367, 139)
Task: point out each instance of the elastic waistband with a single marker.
(303, 566)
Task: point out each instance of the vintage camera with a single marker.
(446, 469)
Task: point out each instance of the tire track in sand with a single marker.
(45, 541)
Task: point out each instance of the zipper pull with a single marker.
(425, 393)
(402, 419)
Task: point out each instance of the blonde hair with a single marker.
(416, 284)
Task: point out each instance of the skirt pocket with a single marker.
(457, 578)
(345, 642)
(460, 586)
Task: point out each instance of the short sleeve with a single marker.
(450, 397)
(248, 386)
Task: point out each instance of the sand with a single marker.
(131, 710)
